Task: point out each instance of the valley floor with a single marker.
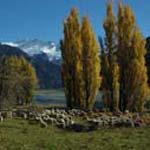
(17, 134)
(56, 97)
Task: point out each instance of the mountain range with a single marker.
(44, 56)
(36, 46)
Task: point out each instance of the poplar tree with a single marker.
(115, 86)
(126, 26)
(7, 83)
(91, 63)
(131, 55)
(72, 68)
(120, 52)
(28, 80)
(110, 76)
(105, 78)
(136, 83)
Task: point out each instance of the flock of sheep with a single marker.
(65, 118)
(58, 117)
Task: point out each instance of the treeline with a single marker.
(17, 81)
(118, 69)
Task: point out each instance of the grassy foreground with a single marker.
(19, 135)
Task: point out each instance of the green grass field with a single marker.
(19, 135)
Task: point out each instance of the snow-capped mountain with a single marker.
(48, 72)
(36, 46)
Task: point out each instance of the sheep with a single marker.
(25, 116)
(43, 123)
(52, 120)
(48, 112)
(1, 118)
(46, 118)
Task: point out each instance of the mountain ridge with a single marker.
(36, 46)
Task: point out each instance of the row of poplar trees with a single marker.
(123, 61)
(81, 63)
(122, 66)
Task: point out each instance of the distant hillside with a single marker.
(48, 73)
(10, 51)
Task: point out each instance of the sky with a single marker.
(43, 19)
